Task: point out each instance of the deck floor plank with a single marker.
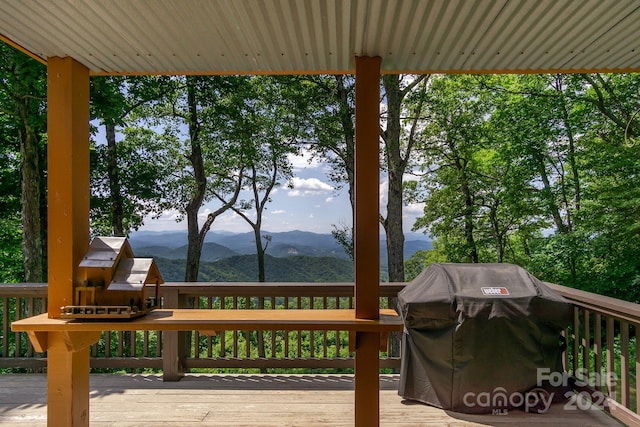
(253, 400)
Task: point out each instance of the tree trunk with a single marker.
(117, 210)
(194, 242)
(561, 227)
(32, 244)
(571, 153)
(497, 235)
(395, 165)
(548, 193)
(468, 222)
(468, 209)
(260, 253)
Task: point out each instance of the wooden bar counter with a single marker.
(67, 343)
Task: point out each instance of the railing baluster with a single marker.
(222, 338)
(196, 345)
(120, 343)
(235, 333)
(597, 350)
(29, 308)
(158, 343)
(210, 337)
(260, 334)
(312, 334)
(324, 333)
(5, 327)
(586, 346)
(576, 340)
(337, 333)
(247, 344)
(299, 306)
(133, 341)
(286, 333)
(274, 334)
(145, 344)
(18, 335)
(611, 368)
(565, 353)
(624, 363)
(107, 343)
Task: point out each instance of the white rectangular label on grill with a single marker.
(494, 291)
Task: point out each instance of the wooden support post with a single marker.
(367, 184)
(367, 238)
(68, 378)
(67, 177)
(174, 343)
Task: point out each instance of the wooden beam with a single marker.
(79, 341)
(38, 340)
(367, 239)
(68, 177)
(367, 179)
(185, 319)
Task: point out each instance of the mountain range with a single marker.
(221, 245)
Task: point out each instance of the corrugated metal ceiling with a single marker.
(287, 36)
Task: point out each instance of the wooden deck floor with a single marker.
(252, 400)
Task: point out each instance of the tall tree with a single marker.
(11, 264)
(270, 130)
(450, 188)
(332, 138)
(207, 105)
(23, 95)
(398, 147)
(193, 134)
(123, 175)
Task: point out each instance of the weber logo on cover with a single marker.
(495, 291)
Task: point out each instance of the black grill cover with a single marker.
(473, 329)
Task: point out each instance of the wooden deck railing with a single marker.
(601, 341)
(18, 301)
(602, 351)
(193, 350)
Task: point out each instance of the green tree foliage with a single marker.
(332, 138)
(23, 132)
(195, 133)
(404, 106)
(271, 129)
(455, 142)
(244, 268)
(124, 173)
(539, 170)
(11, 266)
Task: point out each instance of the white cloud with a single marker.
(414, 208)
(278, 212)
(167, 221)
(304, 161)
(308, 186)
(329, 200)
(384, 193)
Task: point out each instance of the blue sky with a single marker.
(313, 204)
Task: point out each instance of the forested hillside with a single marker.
(244, 268)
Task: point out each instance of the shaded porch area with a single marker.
(254, 400)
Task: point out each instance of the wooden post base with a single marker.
(367, 395)
(68, 378)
